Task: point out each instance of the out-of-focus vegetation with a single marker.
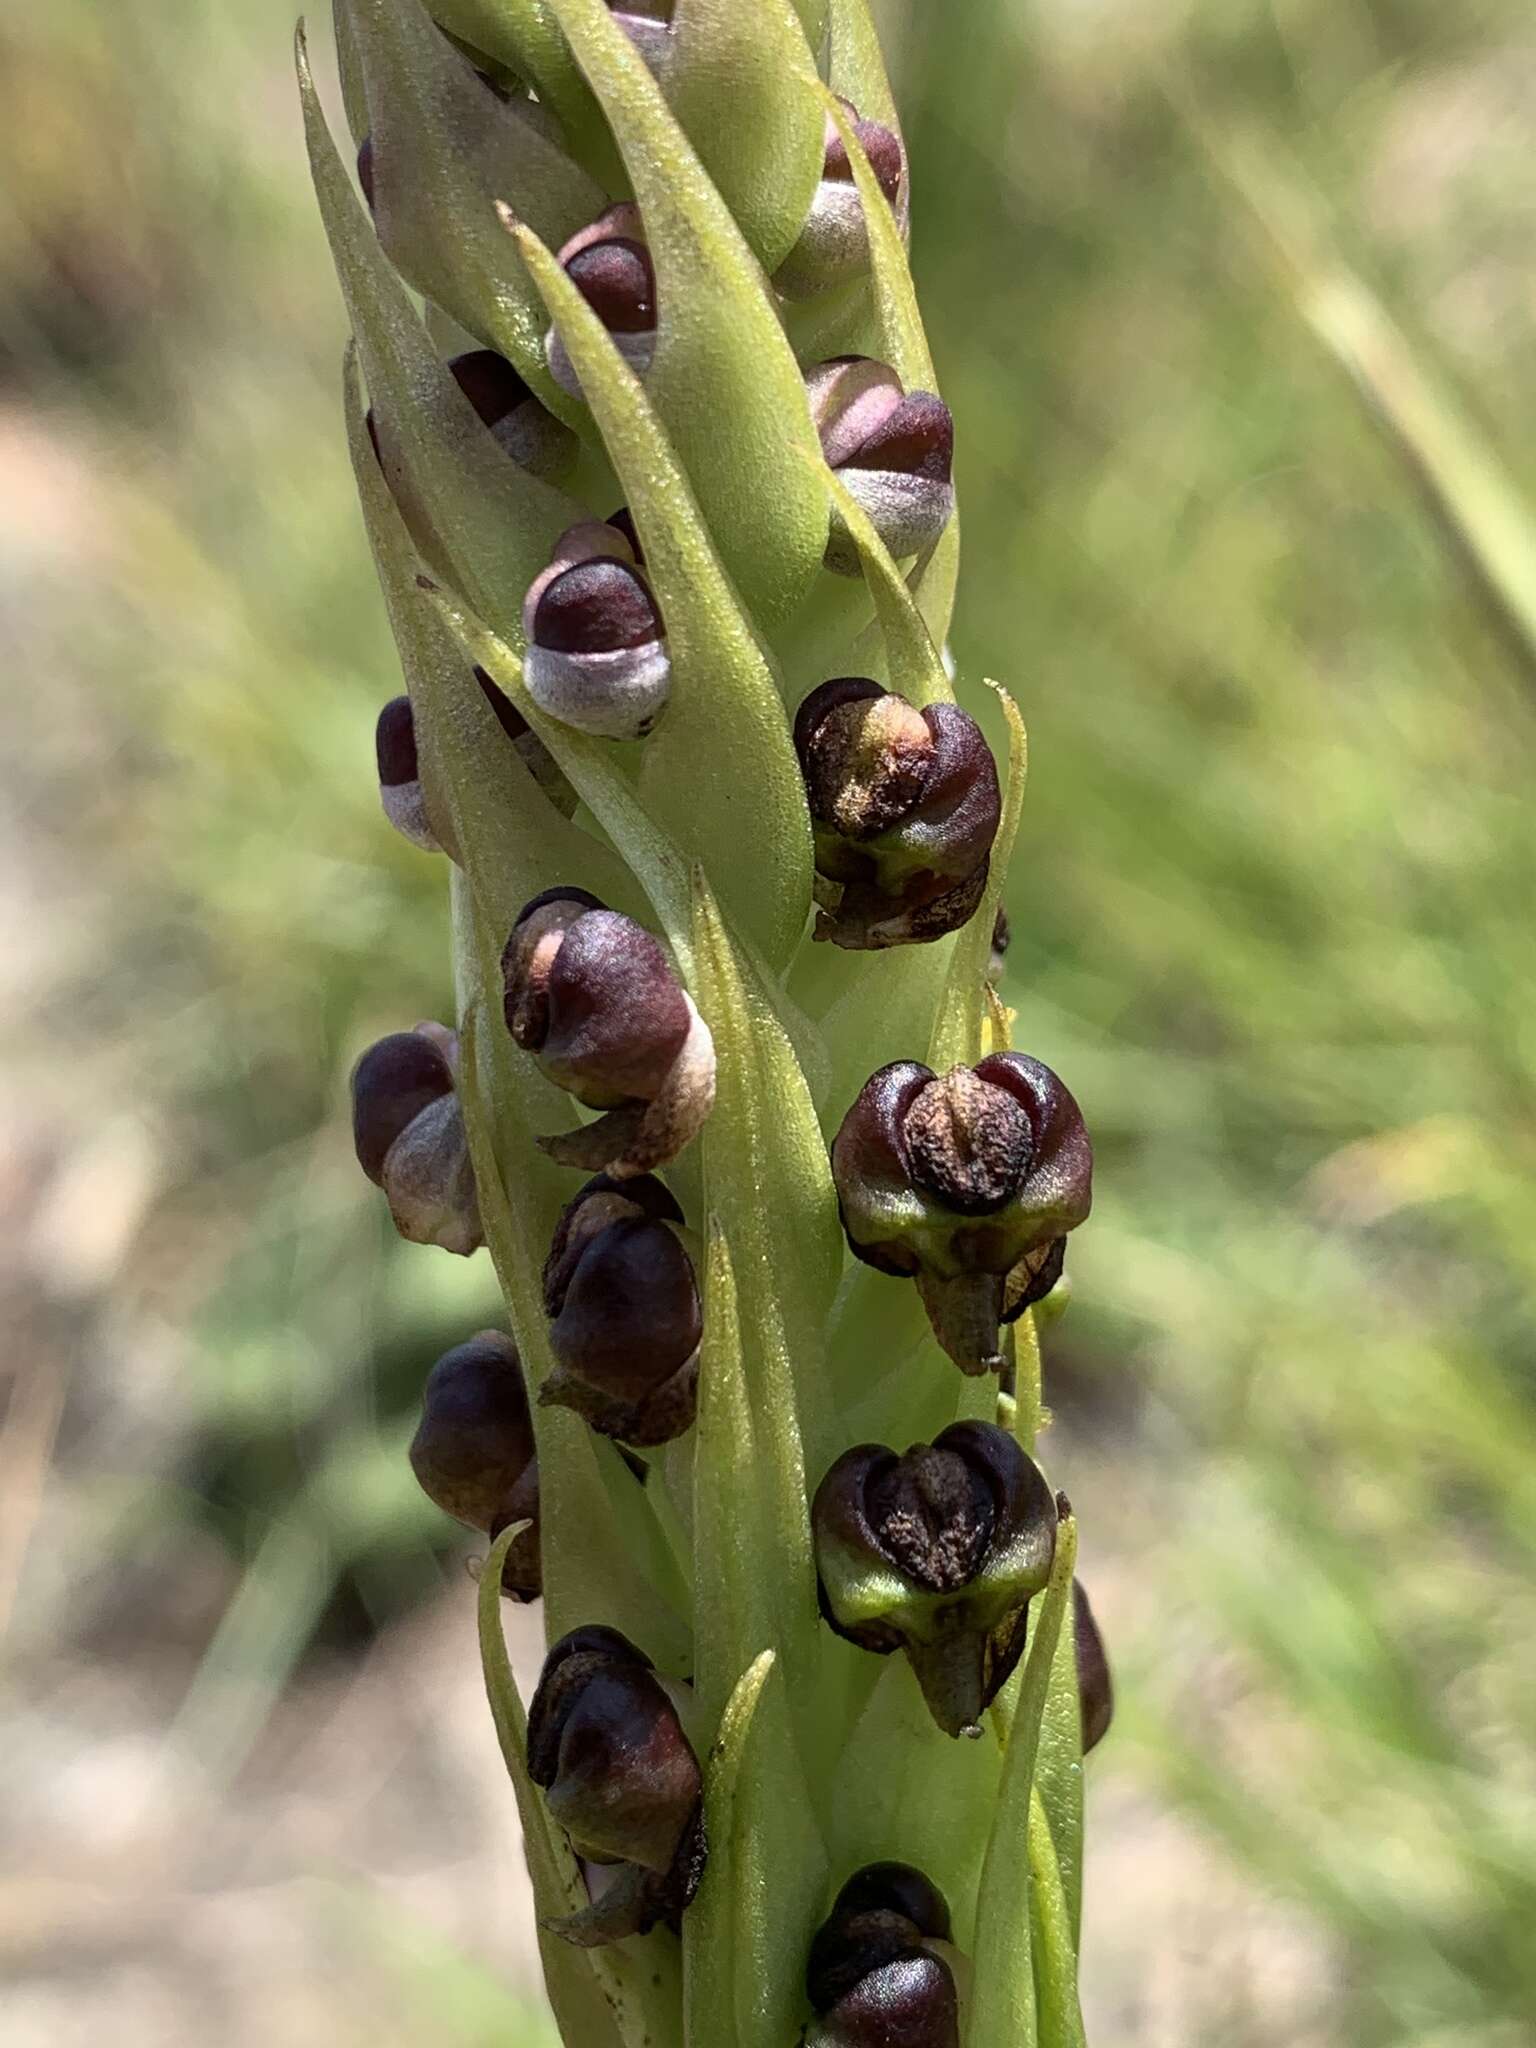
(1257, 567)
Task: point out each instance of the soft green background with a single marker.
(1273, 919)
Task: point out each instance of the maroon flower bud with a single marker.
(596, 655)
(834, 243)
(408, 1130)
(473, 1450)
(904, 809)
(620, 1776)
(625, 1319)
(610, 265)
(939, 1554)
(531, 435)
(959, 1183)
(893, 452)
(365, 169)
(400, 790)
(1095, 1687)
(592, 995)
(880, 1973)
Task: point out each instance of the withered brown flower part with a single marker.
(904, 808)
(937, 1553)
(619, 1774)
(593, 997)
(625, 1315)
(1095, 1686)
(965, 1183)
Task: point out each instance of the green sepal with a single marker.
(709, 1937)
(1059, 1770)
(911, 660)
(618, 1996)
(349, 70)
(525, 37)
(769, 1181)
(445, 150)
(1003, 1995)
(724, 379)
(719, 773)
(958, 1027)
(813, 21)
(903, 1793)
(512, 840)
(754, 1584)
(1053, 1937)
(470, 508)
(744, 88)
(855, 66)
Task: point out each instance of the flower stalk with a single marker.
(655, 469)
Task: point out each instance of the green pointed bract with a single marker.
(476, 515)
(724, 380)
(743, 88)
(445, 149)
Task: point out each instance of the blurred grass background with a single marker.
(1233, 302)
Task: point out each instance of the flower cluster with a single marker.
(660, 487)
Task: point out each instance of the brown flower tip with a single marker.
(1095, 1687)
(593, 997)
(893, 451)
(620, 1776)
(879, 1973)
(610, 265)
(400, 790)
(965, 1183)
(408, 1132)
(625, 1316)
(937, 1553)
(596, 655)
(904, 808)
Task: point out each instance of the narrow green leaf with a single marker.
(524, 35)
(1003, 2000)
(957, 1031)
(744, 88)
(709, 1948)
(445, 149)
(474, 512)
(1053, 1937)
(769, 1180)
(855, 66)
(354, 93)
(905, 345)
(912, 660)
(1059, 1768)
(753, 1585)
(724, 379)
(719, 774)
(1489, 520)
